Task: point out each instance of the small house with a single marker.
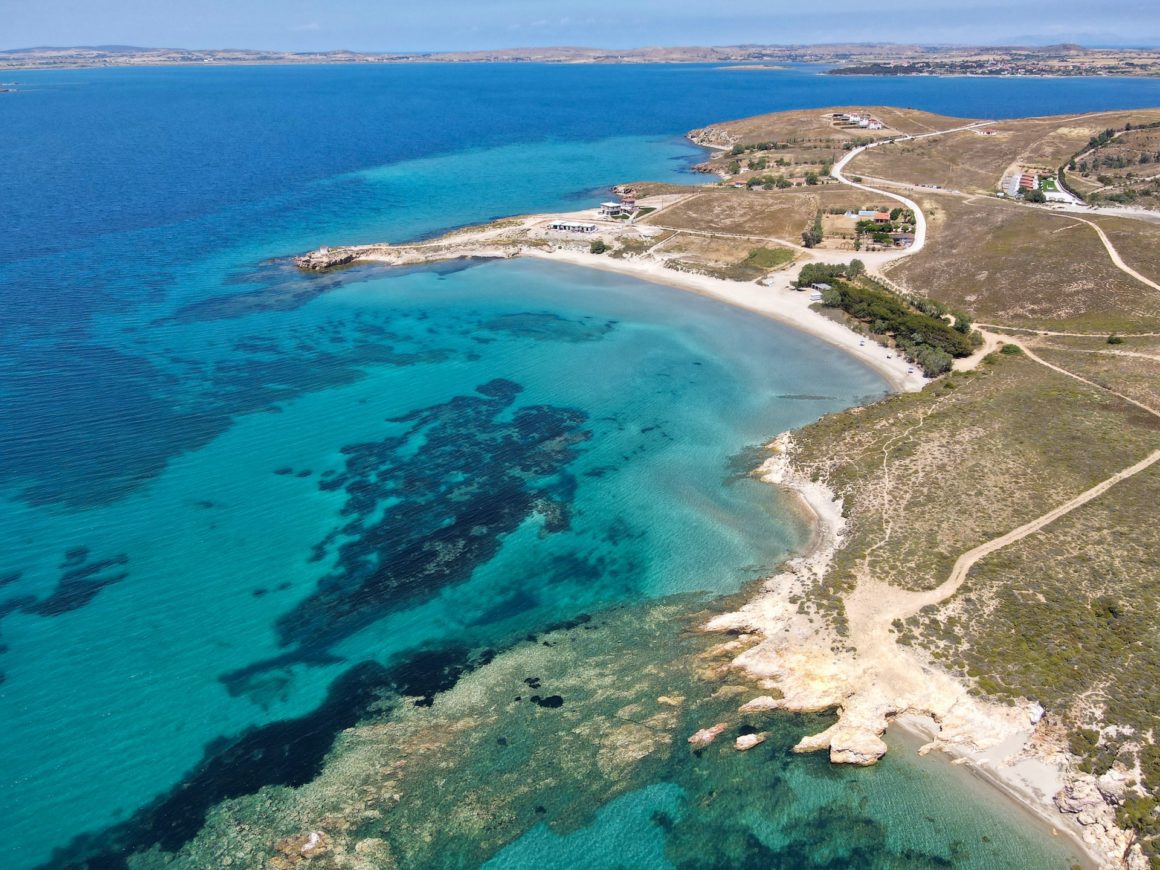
(881, 217)
(573, 226)
(611, 209)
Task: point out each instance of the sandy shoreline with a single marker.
(1017, 791)
(776, 302)
(915, 734)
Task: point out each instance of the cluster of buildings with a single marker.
(879, 217)
(882, 218)
(863, 120)
(626, 206)
(1024, 180)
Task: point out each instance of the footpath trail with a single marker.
(918, 600)
(1115, 255)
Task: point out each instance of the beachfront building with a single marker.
(628, 204)
(572, 226)
(611, 209)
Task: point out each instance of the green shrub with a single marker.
(598, 247)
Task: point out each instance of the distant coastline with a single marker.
(843, 58)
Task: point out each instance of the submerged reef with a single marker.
(450, 758)
(425, 506)
(545, 734)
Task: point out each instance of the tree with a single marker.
(598, 247)
(1036, 196)
(812, 237)
(932, 361)
(811, 178)
(734, 167)
(856, 269)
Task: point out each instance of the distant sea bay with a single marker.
(224, 485)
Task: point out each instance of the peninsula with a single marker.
(984, 568)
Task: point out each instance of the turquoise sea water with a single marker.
(223, 484)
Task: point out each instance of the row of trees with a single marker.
(1118, 161)
(815, 273)
(768, 182)
(738, 150)
(812, 237)
(917, 325)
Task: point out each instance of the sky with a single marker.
(455, 25)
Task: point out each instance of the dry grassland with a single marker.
(1131, 368)
(973, 162)
(925, 477)
(1067, 617)
(758, 214)
(710, 250)
(1022, 266)
(1136, 241)
(815, 126)
(1141, 180)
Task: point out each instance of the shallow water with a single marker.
(224, 484)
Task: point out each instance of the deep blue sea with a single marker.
(223, 483)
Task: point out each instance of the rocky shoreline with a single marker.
(807, 667)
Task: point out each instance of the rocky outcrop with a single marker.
(713, 137)
(748, 741)
(705, 736)
(329, 258)
(1092, 801)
